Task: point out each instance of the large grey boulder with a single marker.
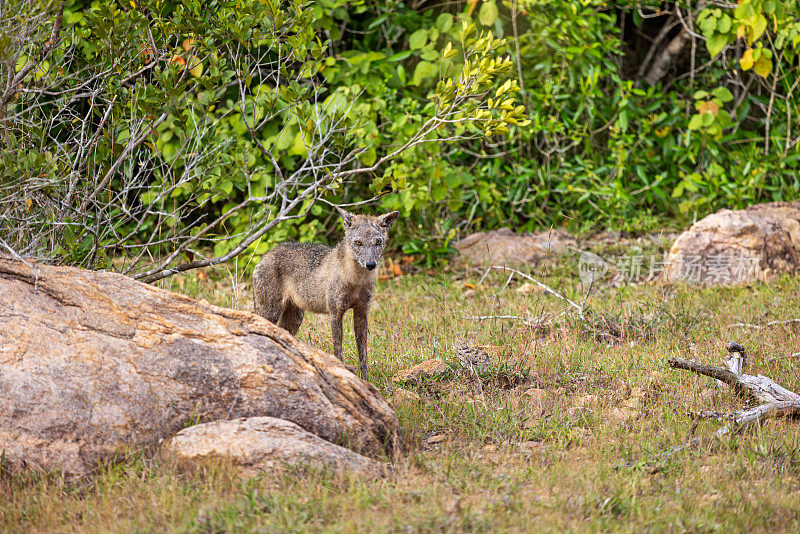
(728, 247)
(93, 364)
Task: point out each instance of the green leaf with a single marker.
(745, 10)
(623, 121)
(723, 94)
(759, 26)
(418, 39)
(444, 22)
(284, 140)
(716, 43)
(724, 24)
(696, 122)
(488, 13)
(707, 25)
(425, 71)
(452, 180)
(400, 56)
(298, 147)
(429, 55)
(377, 22)
(700, 94)
(369, 156)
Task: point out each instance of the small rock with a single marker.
(265, 444)
(585, 401)
(473, 358)
(634, 403)
(537, 394)
(426, 370)
(637, 392)
(707, 393)
(504, 246)
(530, 446)
(623, 415)
(436, 438)
(468, 294)
(527, 288)
(401, 396)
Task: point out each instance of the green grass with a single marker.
(509, 461)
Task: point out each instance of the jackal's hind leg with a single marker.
(267, 291)
(271, 311)
(291, 318)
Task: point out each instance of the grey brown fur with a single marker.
(294, 278)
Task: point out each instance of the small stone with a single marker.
(401, 396)
(536, 394)
(265, 444)
(585, 401)
(468, 294)
(426, 370)
(504, 246)
(530, 446)
(637, 392)
(623, 415)
(436, 438)
(634, 403)
(527, 288)
(707, 393)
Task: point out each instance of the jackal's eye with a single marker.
(359, 243)
(378, 242)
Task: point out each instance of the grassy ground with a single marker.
(576, 447)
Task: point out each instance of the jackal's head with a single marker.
(365, 236)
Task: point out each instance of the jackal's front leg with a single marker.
(336, 334)
(360, 327)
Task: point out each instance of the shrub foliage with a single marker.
(157, 136)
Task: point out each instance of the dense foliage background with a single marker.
(642, 114)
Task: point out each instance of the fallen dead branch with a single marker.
(778, 401)
(765, 325)
(783, 357)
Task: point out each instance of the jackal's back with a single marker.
(295, 273)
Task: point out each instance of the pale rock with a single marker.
(265, 444)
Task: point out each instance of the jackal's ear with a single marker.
(347, 217)
(387, 219)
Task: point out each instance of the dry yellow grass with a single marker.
(577, 447)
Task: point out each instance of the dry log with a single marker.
(778, 401)
(95, 364)
(757, 386)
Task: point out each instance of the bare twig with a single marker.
(547, 288)
(766, 325)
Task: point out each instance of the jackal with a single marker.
(294, 278)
